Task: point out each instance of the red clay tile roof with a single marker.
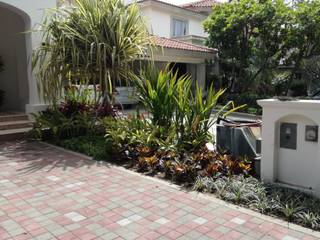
(201, 3)
(176, 44)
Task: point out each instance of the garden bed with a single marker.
(243, 190)
(175, 143)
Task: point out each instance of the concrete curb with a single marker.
(209, 197)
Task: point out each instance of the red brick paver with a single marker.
(46, 193)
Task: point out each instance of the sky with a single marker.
(177, 2)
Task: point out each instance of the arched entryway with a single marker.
(15, 50)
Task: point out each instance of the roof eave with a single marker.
(151, 2)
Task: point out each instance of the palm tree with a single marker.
(91, 42)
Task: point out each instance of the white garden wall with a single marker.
(294, 160)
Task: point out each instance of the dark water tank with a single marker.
(240, 139)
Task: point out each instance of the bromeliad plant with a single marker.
(93, 42)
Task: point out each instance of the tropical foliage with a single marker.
(92, 42)
(151, 148)
(263, 44)
(95, 42)
(75, 116)
(90, 145)
(175, 105)
(291, 205)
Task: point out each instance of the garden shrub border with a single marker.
(208, 196)
(175, 144)
(245, 191)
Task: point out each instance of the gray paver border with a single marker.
(209, 197)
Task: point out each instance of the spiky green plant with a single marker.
(91, 42)
(203, 184)
(172, 103)
(309, 219)
(156, 90)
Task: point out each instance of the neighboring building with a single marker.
(177, 29)
(180, 37)
(171, 21)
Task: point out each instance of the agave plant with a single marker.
(91, 42)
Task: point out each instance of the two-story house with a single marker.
(179, 36)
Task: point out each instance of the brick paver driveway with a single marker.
(46, 193)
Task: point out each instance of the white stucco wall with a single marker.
(35, 9)
(13, 80)
(297, 167)
(158, 20)
(31, 12)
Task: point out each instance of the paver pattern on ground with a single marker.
(46, 193)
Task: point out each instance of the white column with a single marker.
(201, 75)
(268, 148)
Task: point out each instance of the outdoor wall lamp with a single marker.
(312, 133)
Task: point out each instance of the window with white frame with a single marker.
(179, 27)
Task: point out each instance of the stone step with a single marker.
(13, 134)
(7, 125)
(13, 117)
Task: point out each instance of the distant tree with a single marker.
(255, 37)
(249, 35)
(303, 41)
(311, 74)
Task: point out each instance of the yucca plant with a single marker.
(91, 42)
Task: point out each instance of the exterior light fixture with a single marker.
(312, 133)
